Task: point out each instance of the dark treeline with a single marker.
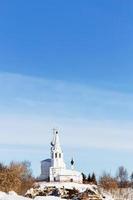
(90, 179)
(122, 179)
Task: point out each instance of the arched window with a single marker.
(55, 155)
(60, 155)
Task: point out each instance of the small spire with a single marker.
(53, 140)
(55, 144)
(57, 140)
(72, 163)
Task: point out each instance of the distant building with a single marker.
(54, 169)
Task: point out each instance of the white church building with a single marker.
(54, 169)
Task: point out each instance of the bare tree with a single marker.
(107, 182)
(17, 176)
(122, 177)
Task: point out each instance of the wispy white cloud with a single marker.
(91, 117)
(54, 96)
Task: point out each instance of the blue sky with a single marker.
(67, 64)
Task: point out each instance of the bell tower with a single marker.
(56, 152)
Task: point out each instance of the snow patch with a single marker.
(49, 198)
(14, 196)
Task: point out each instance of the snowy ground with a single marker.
(4, 196)
(123, 194)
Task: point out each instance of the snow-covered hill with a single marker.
(59, 191)
(68, 191)
(93, 191)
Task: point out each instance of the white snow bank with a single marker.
(4, 196)
(13, 196)
(48, 198)
(12, 193)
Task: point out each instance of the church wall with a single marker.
(64, 175)
(45, 168)
(70, 179)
